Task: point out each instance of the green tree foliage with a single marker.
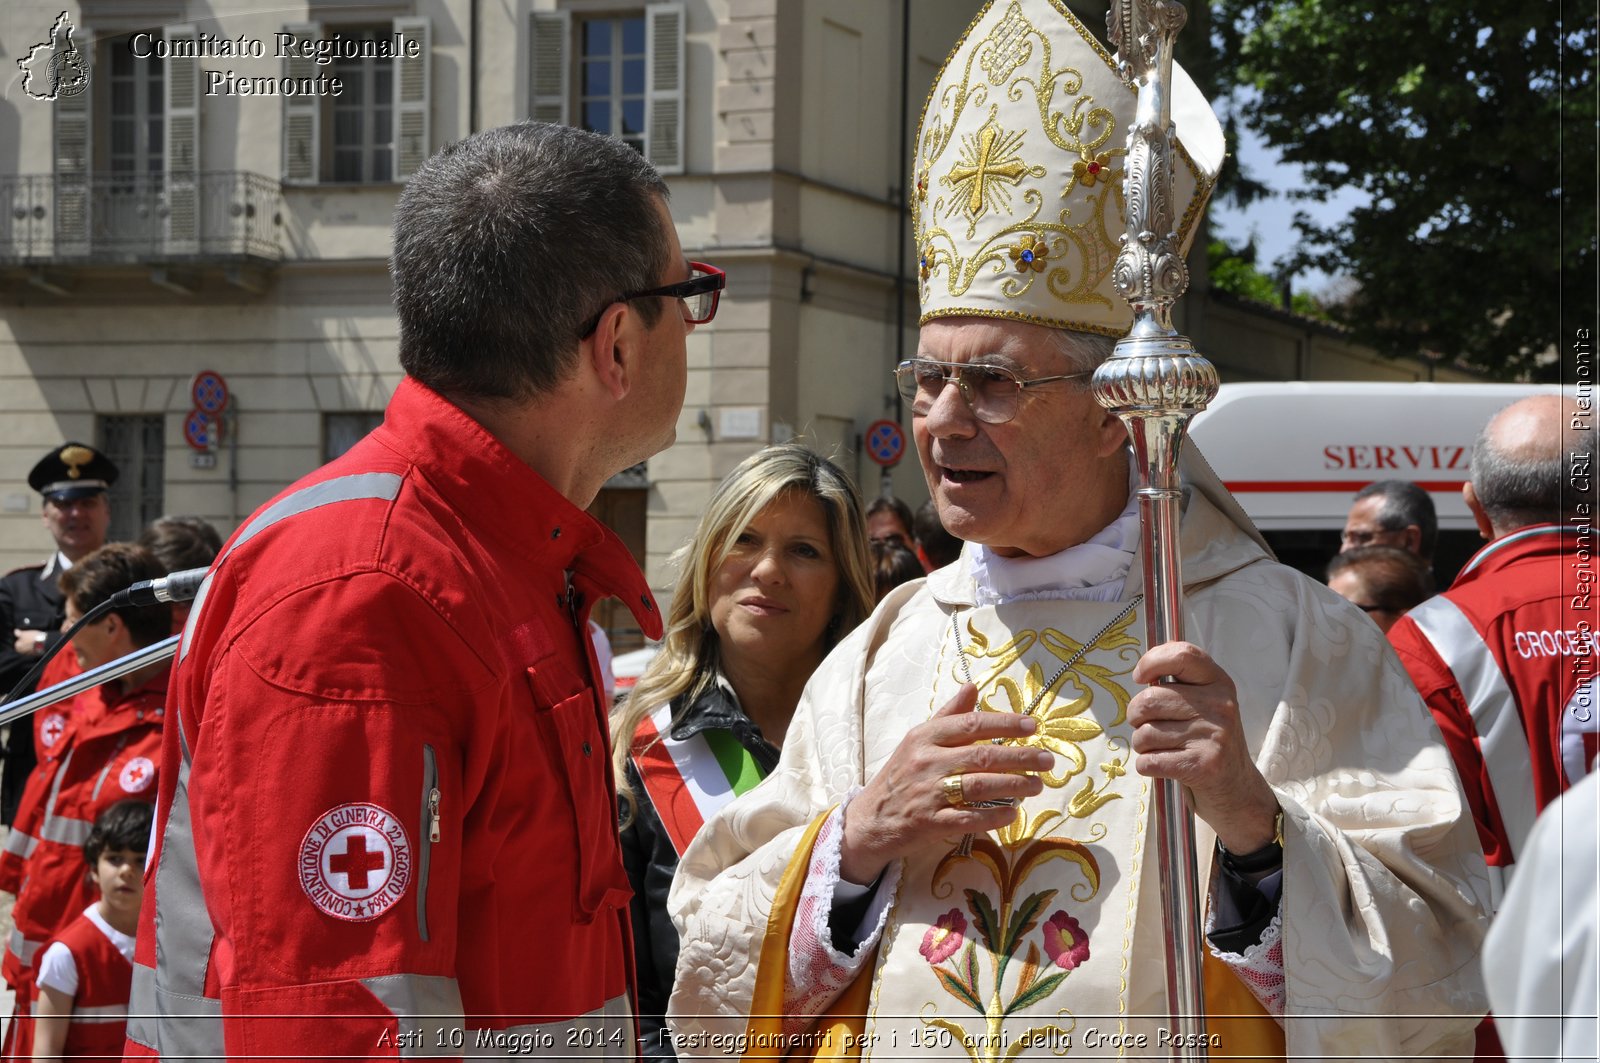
(1236, 273)
(1470, 125)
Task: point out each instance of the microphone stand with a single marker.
(154, 653)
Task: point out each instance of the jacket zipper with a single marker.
(101, 781)
(430, 819)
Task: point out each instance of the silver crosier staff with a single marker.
(1155, 381)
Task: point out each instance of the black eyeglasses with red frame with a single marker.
(699, 295)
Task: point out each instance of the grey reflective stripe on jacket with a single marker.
(22, 948)
(169, 1012)
(20, 844)
(1501, 737)
(369, 486)
(606, 1033)
(65, 830)
(428, 1011)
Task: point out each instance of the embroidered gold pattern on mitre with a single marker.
(1030, 253)
(1007, 46)
(988, 158)
(1024, 134)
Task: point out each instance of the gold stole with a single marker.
(1241, 1026)
(837, 1032)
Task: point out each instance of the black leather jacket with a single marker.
(650, 859)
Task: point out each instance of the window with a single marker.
(377, 128)
(137, 444)
(363, 114)
(137, 93)
(135, 145)
(618, 74)
(341, 431)
(611, 78)
(127, 152)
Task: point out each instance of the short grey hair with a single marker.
(1084, 350)
(1516, 491)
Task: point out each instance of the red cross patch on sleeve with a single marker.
(54, 726)
(355, 862)
(137, 775)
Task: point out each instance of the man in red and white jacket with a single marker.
(108, 754)
(387, 821)
(1507, 657)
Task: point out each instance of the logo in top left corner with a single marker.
(55, 69)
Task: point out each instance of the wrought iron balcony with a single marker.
(221, 218)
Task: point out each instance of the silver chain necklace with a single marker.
(1077, 655)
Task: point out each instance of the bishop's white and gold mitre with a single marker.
(1017, 197)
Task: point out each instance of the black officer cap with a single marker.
(72, 470)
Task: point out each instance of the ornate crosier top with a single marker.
(1018, 198)
(1150, 272)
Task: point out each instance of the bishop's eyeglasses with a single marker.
(993, 392)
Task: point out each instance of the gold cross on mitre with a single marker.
(992, 153)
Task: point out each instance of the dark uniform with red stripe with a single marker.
(31, 601)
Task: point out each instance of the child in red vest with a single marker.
(85, 973)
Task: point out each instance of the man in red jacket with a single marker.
(1506, 658)
(386, 823)
(108, 754)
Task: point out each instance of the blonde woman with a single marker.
(776, 574)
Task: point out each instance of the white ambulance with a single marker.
(1295, 454)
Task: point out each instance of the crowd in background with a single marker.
(81, 775)
(785, 563)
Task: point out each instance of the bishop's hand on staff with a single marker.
(956, 847)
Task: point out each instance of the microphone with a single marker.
(176, 587)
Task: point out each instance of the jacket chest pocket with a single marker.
(576, 744)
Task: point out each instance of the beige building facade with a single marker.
(182, 191)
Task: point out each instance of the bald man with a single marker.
(1506, 658)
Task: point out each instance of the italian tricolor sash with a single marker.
(688, 781)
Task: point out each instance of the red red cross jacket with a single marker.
(1506, 659)
(387, 794)
(109, 756)
(50, 727)
(100, 1006)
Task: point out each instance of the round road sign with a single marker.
(886, 443)
(209, 391)
(200, 430)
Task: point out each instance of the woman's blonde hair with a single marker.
(688, 660)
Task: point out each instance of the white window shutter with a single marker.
(183, 144)
(302, 115)
(413, 92)
(72, 167)
(663, 122)
(549, 37)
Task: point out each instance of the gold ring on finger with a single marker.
(953, 793)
